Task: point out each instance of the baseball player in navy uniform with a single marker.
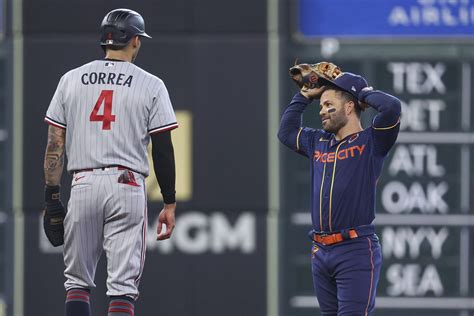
(346, 162)
(103, 115)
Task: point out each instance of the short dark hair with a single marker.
(346, 97)
(117, 47)
(114, 47)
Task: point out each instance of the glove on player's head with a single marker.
(308, 76)
(119, 26)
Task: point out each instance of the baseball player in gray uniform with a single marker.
(103, 115)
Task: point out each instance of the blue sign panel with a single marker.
(2, 21)
(386, 18)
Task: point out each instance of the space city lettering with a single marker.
(342, 154)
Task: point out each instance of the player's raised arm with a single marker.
(386, 124)
(307, 77)
(291, 121)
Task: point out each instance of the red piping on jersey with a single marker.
(163, 129)
(54, 124)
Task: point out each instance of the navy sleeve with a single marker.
(386, 123)
(291, 133)
(164, 165)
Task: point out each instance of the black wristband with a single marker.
(52, 194)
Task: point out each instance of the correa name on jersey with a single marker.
(106, 78)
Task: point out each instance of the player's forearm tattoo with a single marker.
(54, 155)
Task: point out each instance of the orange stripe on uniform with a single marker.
(386, 128)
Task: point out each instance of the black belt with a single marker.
(119, 167)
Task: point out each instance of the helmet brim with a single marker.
(145, 35)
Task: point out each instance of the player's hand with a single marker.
(166, 217)
(53, 216)
(314, 93)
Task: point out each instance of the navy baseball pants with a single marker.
(345, 276)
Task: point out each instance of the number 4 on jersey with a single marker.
(107, 117)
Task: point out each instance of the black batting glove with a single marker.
(54, 215)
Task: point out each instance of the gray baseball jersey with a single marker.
(108, 109)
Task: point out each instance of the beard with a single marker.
(337, 120)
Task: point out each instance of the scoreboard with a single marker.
(424, 209)
(425, 197)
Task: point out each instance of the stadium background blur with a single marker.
(240, 245)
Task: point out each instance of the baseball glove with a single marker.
(53, 216)
(307, 76)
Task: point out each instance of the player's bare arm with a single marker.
(54, 155)
(53, 168)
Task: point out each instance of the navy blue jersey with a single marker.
(344, 173)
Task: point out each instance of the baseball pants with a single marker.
(106, 216)
(345, 276)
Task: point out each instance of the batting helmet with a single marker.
(119, 26)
